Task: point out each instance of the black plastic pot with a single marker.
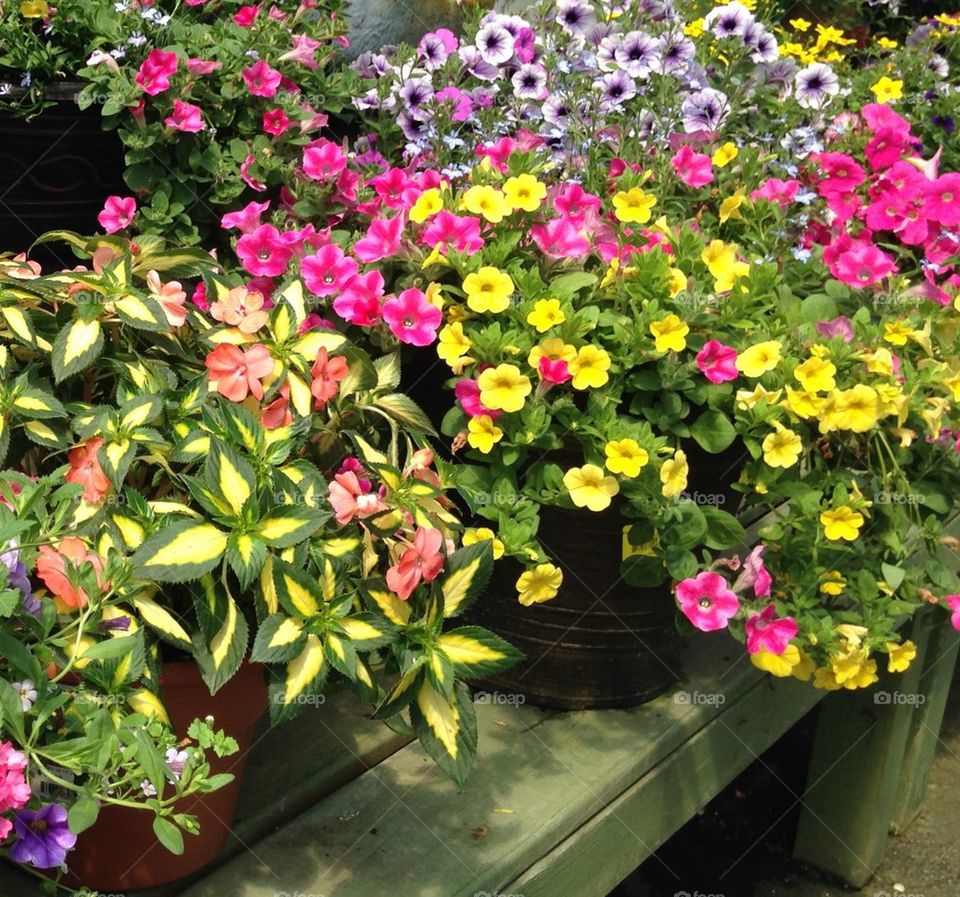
(56, 170)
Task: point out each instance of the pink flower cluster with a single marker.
(14, 788)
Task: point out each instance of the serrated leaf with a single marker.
(180, 552)
(284, 527)
(296, 590)
(395, 610)
(447, 729)
(20, 324)
(402, 694)
(405, 411)
(75, 348)
(245, 555)
(45, 433)
(228, 475)
(279, 638)
(466, 573)
(474, 651)
(303, 671)
(161, 621)
(37, 403)
(115, 459)
(141, 410)
(141, 312)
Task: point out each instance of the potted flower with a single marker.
(258, 484)
(81, 735)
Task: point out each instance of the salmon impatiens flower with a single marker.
(351, 497)
(171, 297)
(706, 601)
(421, 562)
(327, 373)
(52, 570)
(235, 372)
(242, 309)
(766, 633)
(85, 469)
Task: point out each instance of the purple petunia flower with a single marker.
(731, 20)
(575, 16)
(617, 88)
(43, 837)
(815, 85)
(530, 82)
(704, 110)
(596, 33)
(494, 43)
(414, 93)
(674, 54)
(483, 97)
(607, 52)
(17, 577)
(413, 129)
(556, 110)
(474, 63)
(636, 54)
(761, 43)
(372, 65)
(943, 121)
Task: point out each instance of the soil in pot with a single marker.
(600, 642)
(120, 852)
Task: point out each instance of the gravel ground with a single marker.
(923, 862)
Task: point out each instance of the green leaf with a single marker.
(723, 529)
(402, 693)
(246, 555)
(221, 658)
(297, 591)
(466, 573)
(168, 835)
(76, 347)
(405, 411)
(388, 370)
(447, 728)
(36, 403)
(713, 431)
(142, 312)
(82, 815)
(183, 551)
(892, 576)
(475, 651)
(279, 638)
(284, 527)
(229, 476)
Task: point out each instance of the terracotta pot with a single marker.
(120, 852)
(58, 170)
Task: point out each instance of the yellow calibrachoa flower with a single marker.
(780, 665)
(832, 583)
(800, 24)
(853, 668)
(721, 261)
(676, 281)
(539, 584)
(436, 257)
(802, 403)
(633, 205)
(472, 535)
(427, 205)
(783, 447)
(34, 9)
(482, 199)
(488, 290)
(725, 154)
(816, 375)
(747, 398)
(590, 487)
(896, 332)
(759, 359)
(673, 474)
(694, 28)
(879, 361)
(626, 457)
(452, 343)
(856, 409)
(886, 43)
(503, 388)
(886, 90)
(823, 677)
(525, 192)
(555, 349)
(670, 334)
(899, 657)
(483, 433)
(589, 368)
(613, 270)
(730, 207)
(546, 313)
(841, 523)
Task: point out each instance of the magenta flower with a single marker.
(275, 122)
(14, 788)
(247, 219)
(261, 79)
(717, 362)
(328, 271)
(117, 213)
(879, 116)
(885, 149)
(559, 238)
(498, 153)
(202, 66)
(249, 179)
(391, 187)
(246, 16)
(155, 71)
(765, 633)
(943, 199)
(754, 574)
(841, 173)
(185, 117)
(467, 392)
(454, 231)
(359, 303)
(304, 51)
(43, 837)
(461, 106)
(778, 191)
(265, 251)
(576, 205)
(953, 602)
(412, 318)
(706, 601)
(841, 326)
(694, 169)
(381, 241)
(553, 370)
(862, 266)
(323, 160)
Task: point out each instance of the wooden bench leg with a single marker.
(856, 788)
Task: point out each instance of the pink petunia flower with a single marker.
(246, 16)
(461, 233)
(754, 574)
(359, 303)
(766, 633)
(391, 185)
(498, 153)
(154, 74)
(706, 601)
(275, 122)
(576, 205)
(942, 198)
(694, 169)
(841, 173)
(248, 179)
(412, 318)
(304, 51)
(422, 562)
(553, 370)
(559, 238)
(841, 326)
(382, 239)
(261, 79)
(460, 103)
(202, 66)
(717, 362)
(863, 266)
(247, 219)
(953, 602)
(328, 271)
(775, 190)
(235, 372)
(117, 213)
(323, 160)
(265, 251)
(185, 117)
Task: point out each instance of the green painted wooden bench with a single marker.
(569, 803)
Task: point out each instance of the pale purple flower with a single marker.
(484, 97)
(597, 33)
(16, 570)
(731, 20)
(494, 43)
(176, 761)
(841, 326)
(530, 82)
(413, 129)
(815, 85)
(607, 52)
(636, 54)
(704, 110)
(372, 65)
(26, 692)
(575, 16)
(761, 43)
(617, 88)
(556, 110)
(414, 93)
(436, 47)
(674, 54)
(474, 62)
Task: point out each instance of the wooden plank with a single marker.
(290, 768)
(404, 828)
(854, 774)
(598, 856)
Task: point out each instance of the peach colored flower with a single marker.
(171, 297)
(241, 309)
(235, 372)
(52, 570)
(85, 469)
